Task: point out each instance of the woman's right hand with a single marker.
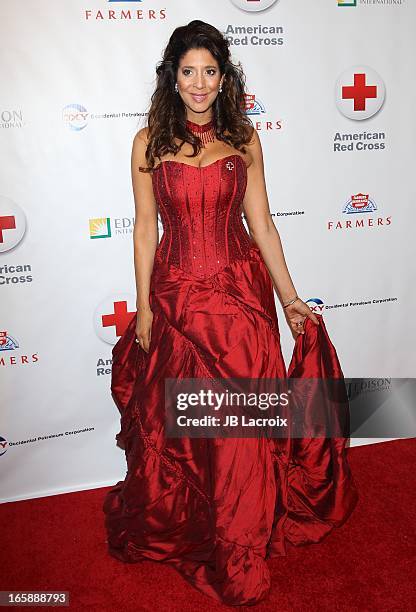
(144, 327)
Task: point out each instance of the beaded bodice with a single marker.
(201, 212)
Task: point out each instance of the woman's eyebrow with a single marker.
(209, 66)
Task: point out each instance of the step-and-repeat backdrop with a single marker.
(330, 90)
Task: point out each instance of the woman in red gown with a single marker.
(213, 508)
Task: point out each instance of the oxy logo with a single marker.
(100, 227)
(12, 224)
(7, 343)
(359, 92)
(347, 2)
(113, 315)
(316, 305)
(359, 203)
(253, 6)
(3, 445)
(75, 116)
(253, 106)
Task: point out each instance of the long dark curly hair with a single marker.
(167, 115)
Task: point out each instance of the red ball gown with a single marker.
(216, 508)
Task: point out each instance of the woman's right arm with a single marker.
(145, 235)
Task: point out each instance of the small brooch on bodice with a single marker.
(229, 165)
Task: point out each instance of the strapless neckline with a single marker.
(174, 161)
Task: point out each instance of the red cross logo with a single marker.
(6, 223)
(121, 318)
(359, 92)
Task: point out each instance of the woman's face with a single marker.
(198, 79)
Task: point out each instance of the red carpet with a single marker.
(58, 542)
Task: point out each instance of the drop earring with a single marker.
(176, 88)
(220, 89)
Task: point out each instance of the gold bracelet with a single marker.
(291, 302)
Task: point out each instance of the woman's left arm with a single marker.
(263, 231)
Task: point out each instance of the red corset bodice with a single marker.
(201, 212)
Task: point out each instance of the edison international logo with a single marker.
(11, 119)
(347, 2)
(100, 227)
(111, 227)
(252, 6)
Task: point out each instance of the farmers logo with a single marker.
(7, 342)
(124, 10)
(253, 106)
(359, 203)
(365, 215)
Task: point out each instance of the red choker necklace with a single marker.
(206, 132)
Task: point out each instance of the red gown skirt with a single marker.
(216, 508)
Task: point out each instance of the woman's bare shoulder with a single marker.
(254, 142)
(139, 148)
(254, 148)
(142, 137)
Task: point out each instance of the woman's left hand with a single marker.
(296, 314)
